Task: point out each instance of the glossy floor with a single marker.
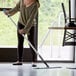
(7, 69)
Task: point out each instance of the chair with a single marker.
(68, 35)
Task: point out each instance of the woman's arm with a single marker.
(13, 10)
(31, 18)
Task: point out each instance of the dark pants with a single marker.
(31, 38)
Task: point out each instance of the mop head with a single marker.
(71, 67)
(47, 67)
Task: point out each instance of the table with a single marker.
(62, 28)
(69, 36)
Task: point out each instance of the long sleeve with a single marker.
(31, 18)
(15, 9)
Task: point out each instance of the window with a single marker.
(8, 3)
(7, 29)
(50, 14)
(50, 43)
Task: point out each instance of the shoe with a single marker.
(34, 65)
(17, 63)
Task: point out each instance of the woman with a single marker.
(28, 12)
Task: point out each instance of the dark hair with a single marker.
(37, 0)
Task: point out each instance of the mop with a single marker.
(37, 53)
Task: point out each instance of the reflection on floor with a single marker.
(7, 69)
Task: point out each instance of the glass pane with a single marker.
(7, 30)
(8, 35)
(8, 3)
(51, 15)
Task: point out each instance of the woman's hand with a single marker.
(6, 12)
(21, 31)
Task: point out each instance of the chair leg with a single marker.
(64, 37)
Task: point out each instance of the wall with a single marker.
(10, 55)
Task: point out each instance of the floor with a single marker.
(7, 69)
